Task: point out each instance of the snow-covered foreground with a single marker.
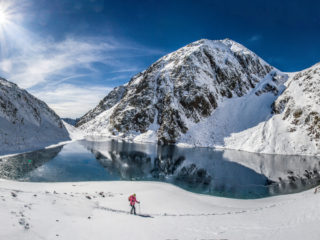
(99, 210)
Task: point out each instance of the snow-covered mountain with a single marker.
(26, 123)
(294, 126)
(209, 94)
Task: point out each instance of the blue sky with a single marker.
(70, 53)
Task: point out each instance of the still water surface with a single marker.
(202, 170)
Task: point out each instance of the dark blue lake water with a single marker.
(221, 173)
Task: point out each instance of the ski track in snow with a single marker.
(109, 209)
(96, 210)
(187, 214)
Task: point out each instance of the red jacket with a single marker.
(133, 200)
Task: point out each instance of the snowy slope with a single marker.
(99, 210)
(74, 133)
(26, 123)
(294, 127)
(235, 115)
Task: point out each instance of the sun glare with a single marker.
(6, 14)
(4, 17)
(10, 30)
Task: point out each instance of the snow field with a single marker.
(99, 210)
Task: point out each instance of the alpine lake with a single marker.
(226, 173)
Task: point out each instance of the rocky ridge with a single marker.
(26, 123)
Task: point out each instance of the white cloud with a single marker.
(70, 100)
(55, 60)
(60, 72)
(6, 65)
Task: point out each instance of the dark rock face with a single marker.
(180, 88)
(12, 98)
(271, 86)
(302, 112)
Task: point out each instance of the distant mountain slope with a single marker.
(204, 94)
(109, 101)
(70, 121)
(26, 123)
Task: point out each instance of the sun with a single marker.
(11, 31)
(3, 18)
(6, 13)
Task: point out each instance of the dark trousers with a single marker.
(133, 210)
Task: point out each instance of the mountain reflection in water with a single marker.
(201, 170)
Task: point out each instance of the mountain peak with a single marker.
(224, 49)
(227, 42)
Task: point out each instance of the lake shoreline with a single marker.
(225, 173)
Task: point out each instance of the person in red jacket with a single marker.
(132, 199)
